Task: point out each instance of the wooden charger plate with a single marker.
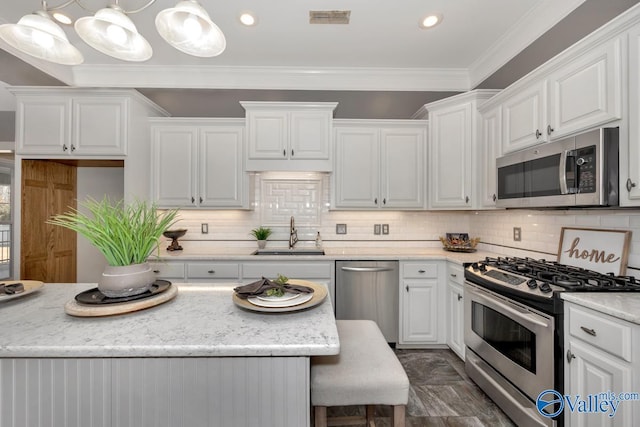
(73, 308)
(319, 294)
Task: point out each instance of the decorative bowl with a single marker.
(459, 242)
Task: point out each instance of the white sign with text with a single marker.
(604, 251)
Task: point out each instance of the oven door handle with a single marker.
(506, 307)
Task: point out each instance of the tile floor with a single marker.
(441, 394)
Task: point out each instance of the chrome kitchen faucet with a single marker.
(293, 234)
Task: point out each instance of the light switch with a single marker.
(517, 234)
(204, 228)
(376, 229)
(385, 228)
(341, 228)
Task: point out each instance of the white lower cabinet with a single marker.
(601, 356)
(455, 308)
(420, 303)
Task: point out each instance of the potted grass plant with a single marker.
(125, 234)
(261, 234)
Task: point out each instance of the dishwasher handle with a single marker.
(366, 269)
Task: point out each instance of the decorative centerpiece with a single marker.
(459, 242)
(261, 234)
(174, 235)
(125, 234)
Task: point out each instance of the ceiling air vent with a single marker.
(329, 16)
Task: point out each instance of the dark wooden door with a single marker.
(48, 253)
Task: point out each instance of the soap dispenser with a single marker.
(318, 241)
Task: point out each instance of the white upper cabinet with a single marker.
(379, 164)
(197, 163)
(587, 91)
(61, 122)
(454, 164)
(490, 150)
(578, 90)
(630, 147)
(289, 136)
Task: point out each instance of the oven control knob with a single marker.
(532, 284)
(545, 287)
(474, 266)
(482, 267)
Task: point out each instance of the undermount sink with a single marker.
(285, 251)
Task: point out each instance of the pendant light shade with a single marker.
(111, 32)
(37, 35)
(188, 28)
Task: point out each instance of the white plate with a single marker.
(299, 299)
(30, 286)
(287, 296)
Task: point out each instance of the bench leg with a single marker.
(398, 416)
(320, 416)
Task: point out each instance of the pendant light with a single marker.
(188, 28)
(111, 32)
(37, 35)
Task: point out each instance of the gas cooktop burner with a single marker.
(541, 278)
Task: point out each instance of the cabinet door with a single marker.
(455, 324)
(490, 150)
(267, 134)
(309, 135)
(587, 92)
(524, 118)
(173, 150)
(43, 125)
(419, 312)
(450, 134)
(402, 165)
(357, 163)
(99, 126)
(630, 152)
(222, 181)
(594, 372)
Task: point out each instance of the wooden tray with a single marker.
(319, 294)
(73, 308)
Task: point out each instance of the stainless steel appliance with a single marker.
(578, 171)
(513, 328)
(369, 290)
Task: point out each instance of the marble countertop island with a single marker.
(201, 321)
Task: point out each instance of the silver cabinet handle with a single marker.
(367, 269)
(407, 288)
(156, 271)
(538, 134)
(421, 271)
(570, 356)
(375, 200)
(630, 184)
(549, 129)
(211, 271)
(384, 201)
(73, 148)
(454, 275)
(459, 297)
(284, 152)
(292, 153)
(588, 331)
(200, 199)
(64, 147)
(466, 199)
(495, 197)
(193, 200)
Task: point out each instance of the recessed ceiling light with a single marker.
(248, 19)
(430, 21)
(62, 18)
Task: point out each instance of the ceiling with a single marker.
(382, 48)
(380, 66)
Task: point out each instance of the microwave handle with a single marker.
(565, 157)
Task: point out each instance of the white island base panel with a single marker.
(155, 392)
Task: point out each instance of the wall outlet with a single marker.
(385, 228)
(341, 228)
(376, 228)
(204, 228)
(517, 234)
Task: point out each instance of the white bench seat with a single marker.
(366, 372)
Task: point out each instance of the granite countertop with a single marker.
(331, 254)
(623, 305)
(201, 321)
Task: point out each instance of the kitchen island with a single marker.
(197, 360)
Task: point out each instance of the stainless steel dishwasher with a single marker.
(369, 290)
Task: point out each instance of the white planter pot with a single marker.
(126, 280)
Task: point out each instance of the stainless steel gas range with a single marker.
(513, 328)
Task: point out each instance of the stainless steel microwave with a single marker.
(578, 171)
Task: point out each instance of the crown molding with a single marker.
(283, 78)
(529, 28)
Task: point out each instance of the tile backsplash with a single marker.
(278, 196)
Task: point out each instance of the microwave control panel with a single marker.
(586, 169)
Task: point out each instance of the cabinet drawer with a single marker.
(455, 273)
(213, 270)
(601, 331)
(168, 270)
(419, 270)
(292, 270)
